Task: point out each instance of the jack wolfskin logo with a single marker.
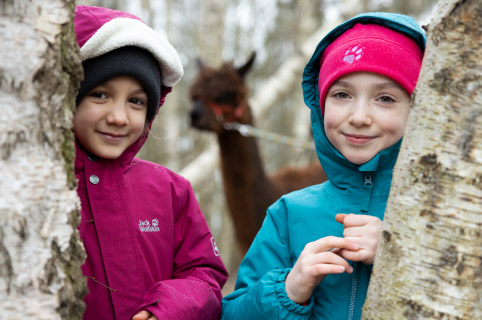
(146, 226)
(215, 247)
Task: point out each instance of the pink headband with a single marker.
(370, 48)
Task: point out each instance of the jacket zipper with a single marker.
(367, 192)
(354, 284)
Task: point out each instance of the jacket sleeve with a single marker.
(198, 272)
(260, 290)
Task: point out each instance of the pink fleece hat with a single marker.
(370, 48)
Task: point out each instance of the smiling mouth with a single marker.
(358, 139)
(112, 136)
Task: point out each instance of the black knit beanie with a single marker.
(125, 61)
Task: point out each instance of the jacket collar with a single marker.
(347, 175)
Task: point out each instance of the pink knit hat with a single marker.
(370, 48)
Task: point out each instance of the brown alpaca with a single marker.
(222, 96)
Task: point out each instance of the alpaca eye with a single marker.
(224, 98)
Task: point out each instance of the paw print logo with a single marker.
(155, 222)
(353, 54)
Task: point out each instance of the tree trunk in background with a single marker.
(40, 249)
(429, 262)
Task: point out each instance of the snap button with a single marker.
(91, 157)
(94, 179)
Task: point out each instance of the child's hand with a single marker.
(314, 263)
(365, 231)
(144, 315)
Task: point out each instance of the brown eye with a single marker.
(341, 95)
(386, 99)
(137, 101)
(98, 95)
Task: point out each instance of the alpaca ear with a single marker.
(245, 68)
(200, 64)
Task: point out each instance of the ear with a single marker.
(245, 68)
(200, 64)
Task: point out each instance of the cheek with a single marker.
(86, 114)
(403, 119)
(331, 119)
(80, 130)
(138, 122)
(396, 128)
(80, 120)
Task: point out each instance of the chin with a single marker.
(108, 155)
(359, 160)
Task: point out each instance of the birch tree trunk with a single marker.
(429, 261)
(40, 250)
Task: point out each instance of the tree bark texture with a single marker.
(40, 249)
(429, 261)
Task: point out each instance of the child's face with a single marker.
(365, 113)
(111, 117)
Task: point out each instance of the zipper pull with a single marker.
(367, 192)
(368, 179)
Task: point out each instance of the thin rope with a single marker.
(95, 280)
(247, 130)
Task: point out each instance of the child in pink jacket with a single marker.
(150, 253)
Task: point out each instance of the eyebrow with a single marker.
(383, 85)
(390, 84)
(111, 86)
(341, 83)
(140, 90)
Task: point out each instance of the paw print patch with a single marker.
(353, 54)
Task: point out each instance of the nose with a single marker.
(195, 115)
(117, 115)
(361, 114)
(197, 112)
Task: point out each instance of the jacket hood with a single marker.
(340, 171)
(100, 30)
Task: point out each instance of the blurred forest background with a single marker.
(284, 34)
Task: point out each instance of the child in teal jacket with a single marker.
(313, 256)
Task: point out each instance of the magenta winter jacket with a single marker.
(147, 242)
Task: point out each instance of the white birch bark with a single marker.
(40, 250)
(429, 261)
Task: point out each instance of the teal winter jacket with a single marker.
(309, 214)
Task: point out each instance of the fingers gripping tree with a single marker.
(429, 261)
(40, 250)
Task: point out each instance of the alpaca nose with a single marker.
(196, 112)
(195, 115)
